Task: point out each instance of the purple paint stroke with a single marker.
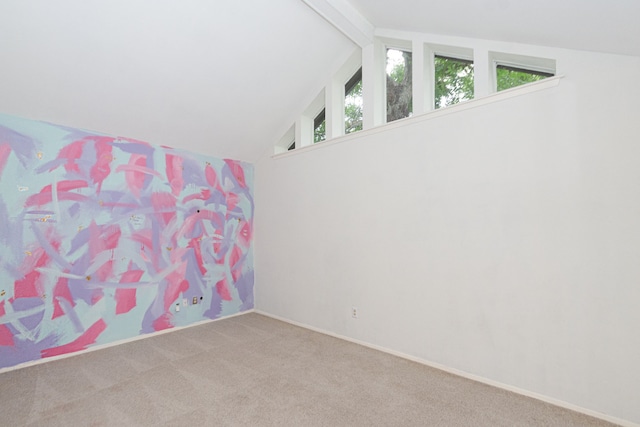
(50, 165)
(244, 285)
(5, 222)
(31, 321)
(118, 285)
(39, 213)
(193, 276)
(155, 237)
(25, 350)
(215, 305)
(155, 310)
(24, 304)
(22, 146)
(217, 198)
(73, 134)
(71, 314)
(13, 237)
(193, 173)
(225, 174)
(49, 249)
(134, 148)
(74, 210)
(77, 287)
(81, 239)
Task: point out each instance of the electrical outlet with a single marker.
(195, 300)
(185, 302)
(354, 312)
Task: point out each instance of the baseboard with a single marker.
(463, 374)
(119, 342)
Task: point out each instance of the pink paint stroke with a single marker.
(236, 268)
(203, 195)
(72, 152)
(63, 188)
(82, 342)
(165, 205)
(133, 176)
(163, 322)
(236, 253)
(237, 171)
(30, 286)
(174, 173)
(212, 178)
(232, 201)
(176, 285)
(5, 151)
(101, 169)
(138, 167)
(6, 337)
(195, 245)
(244, 234)
(223, 290)
(191, 220)
(101, 239)
(126, 298)
(61, 290)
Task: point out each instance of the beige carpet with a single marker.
(253, 370)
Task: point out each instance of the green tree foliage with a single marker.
(353, 109)
(399, 90)
(319, 133)
(508, 78)
(453, 81)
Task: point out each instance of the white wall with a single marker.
(502, 241)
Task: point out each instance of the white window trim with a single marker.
(395, 44)
(454, 52)
(453, 109)
(287, 139)
(544, 65)
(372, 59)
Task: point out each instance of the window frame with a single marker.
(404, 46)
(348, 88)
(523, 63)
(320, 118)
(459, 58)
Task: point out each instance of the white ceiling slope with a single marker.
(610, 26)
(223, 78)
(227, 78)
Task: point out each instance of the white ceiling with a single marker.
(224, 78)
(227, 78)
(611, 26)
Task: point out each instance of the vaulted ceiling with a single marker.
(594, 25)
(227, 78)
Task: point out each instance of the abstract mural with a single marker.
(104, 239)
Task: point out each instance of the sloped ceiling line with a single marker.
(345, 19)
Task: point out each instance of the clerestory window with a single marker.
(320, 127)
(353, 103)
(399, 79)
(453, 80)
(509, 76)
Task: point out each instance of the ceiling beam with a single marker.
(345, 18)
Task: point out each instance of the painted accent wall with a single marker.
(502, 241)
(105, 238)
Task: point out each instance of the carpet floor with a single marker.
(252, 370)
